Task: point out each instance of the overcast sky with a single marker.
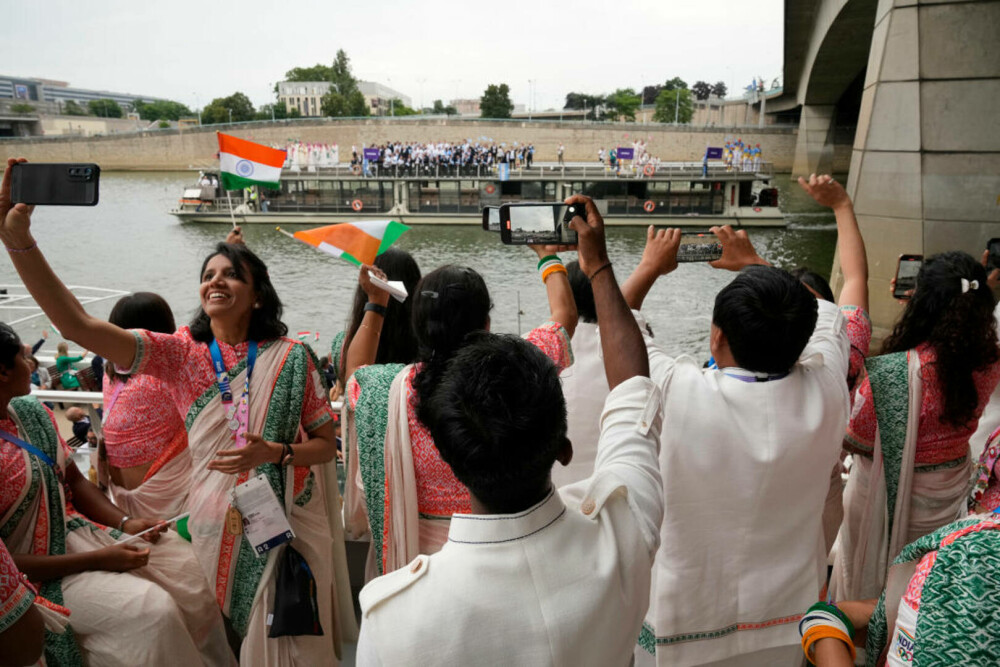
(193, 51)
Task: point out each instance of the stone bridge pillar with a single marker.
(814, 146)
(925, 171)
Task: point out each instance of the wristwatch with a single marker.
(376, 308)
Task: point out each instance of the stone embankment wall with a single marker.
(196, 148)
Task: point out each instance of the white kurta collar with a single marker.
(498, 528)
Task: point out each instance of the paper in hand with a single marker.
(394, 287)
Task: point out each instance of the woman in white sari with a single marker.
(911, 423)
(278, 427)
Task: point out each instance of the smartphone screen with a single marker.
(699, 247)
(993, 262)
(906, 275)
(491, 218)
(535, 224)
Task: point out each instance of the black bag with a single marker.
(296, 610)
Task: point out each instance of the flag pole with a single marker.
(288, 234)
(232, 216)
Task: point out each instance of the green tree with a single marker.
(344, 97)
(163, 124)
(720, 89)
(21, 107)
(280, 112)
(649, 94)
(495, 102)
(161, 110)
(594, 104)
(399, 109)
(105, 108)
(219, 110)
(701, 90)
(71, 108)
(675, 83)
(315, 73)
(623, 103)
(439, 108)
(668, 104)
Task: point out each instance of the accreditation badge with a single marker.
(265, 525)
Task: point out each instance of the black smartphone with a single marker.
(699, 247)
(491, 218)
(993, 262)
(538, 224)
(906, 275)
(55, 184)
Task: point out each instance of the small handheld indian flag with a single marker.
(304, 334)
(244, 163)
(357, 242)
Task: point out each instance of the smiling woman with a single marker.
(248, 395)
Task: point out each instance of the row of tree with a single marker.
(673, 100)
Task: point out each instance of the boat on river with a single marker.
(675, 194)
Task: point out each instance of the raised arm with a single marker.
(621, 342)
(50, 294)
(658, 259)
(850, 244)
(562, 306)
(362, 348)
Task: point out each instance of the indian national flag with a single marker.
(304, 334)
(244, 163)
(357, 242)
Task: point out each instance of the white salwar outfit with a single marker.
(585, 388)
(746, 470)
(562, 583)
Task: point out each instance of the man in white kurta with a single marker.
(745, 459)
(562, 582)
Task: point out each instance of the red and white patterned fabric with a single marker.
(15, 594)
(142, 424)
(937, 442)
(12, 463)
(439, 493)
(185, 366)
(859, 332)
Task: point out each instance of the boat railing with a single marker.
(539, 171)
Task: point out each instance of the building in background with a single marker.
(378, 97)
(49, 96)
(466, 107)
(307, 96)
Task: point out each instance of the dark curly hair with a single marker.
(960, 327)
(450, 302)
(265, 322)
(396, 344)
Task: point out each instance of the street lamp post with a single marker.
(230, 116)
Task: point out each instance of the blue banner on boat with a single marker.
(504, 171)
(626, 153)
(371, 154)
(713, 153)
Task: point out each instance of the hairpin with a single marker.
(969, 284)
(429, 293)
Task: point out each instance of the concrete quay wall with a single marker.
(196, 148)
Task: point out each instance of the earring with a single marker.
(257, 305)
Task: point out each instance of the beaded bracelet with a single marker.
(550, 264)
(30, 247)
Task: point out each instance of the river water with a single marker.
(130, 242)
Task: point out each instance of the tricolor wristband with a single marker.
(549, 265)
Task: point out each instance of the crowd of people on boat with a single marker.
(573, 496)
(471, 156)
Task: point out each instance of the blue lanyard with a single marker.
(222, 376)
(28, 447)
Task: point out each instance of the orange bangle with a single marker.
(554, 268)
(814, 634)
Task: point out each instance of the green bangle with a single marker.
(547, 258)
(833, 609)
